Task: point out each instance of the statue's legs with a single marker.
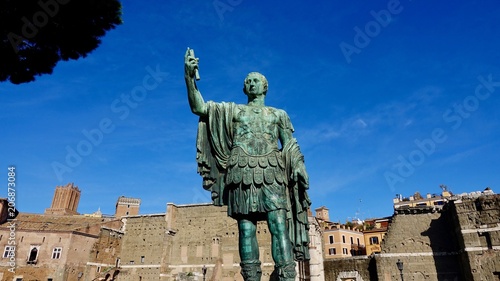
(281, 245)
(249, 250)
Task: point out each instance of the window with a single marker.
(9, 251)
(132, 262)
(352, 240)
(373, 240)
(345, 251)
(343, 239)
(56, 253)
(142, 259)
(32, 258)
(332, 251)
(358, 241)
(331, 239)
(485, 240)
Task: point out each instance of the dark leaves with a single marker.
(36, 35)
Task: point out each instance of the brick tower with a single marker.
(65, 201)
(322, 213)
(127, 206)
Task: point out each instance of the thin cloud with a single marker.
(461, 156)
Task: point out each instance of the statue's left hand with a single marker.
(300, 176)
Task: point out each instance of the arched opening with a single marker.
(33, 255)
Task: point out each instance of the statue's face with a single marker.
(254, 85)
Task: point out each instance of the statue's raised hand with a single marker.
(191, 64)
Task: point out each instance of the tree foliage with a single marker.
(36, 35)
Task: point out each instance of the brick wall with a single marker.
(205, 235)
(142, 247)
(353, 268)
(425, 243)
(478, 222)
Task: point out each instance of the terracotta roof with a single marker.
(39, 222)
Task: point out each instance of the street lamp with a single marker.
(399, 264)
(204, 270)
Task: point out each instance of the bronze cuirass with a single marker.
(256, 129)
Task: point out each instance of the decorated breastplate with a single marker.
(256, 130)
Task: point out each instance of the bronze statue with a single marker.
(242, 165)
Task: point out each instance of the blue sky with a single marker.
(386, 97)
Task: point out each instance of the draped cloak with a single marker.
(214, 144)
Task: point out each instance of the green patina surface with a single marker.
(250, 162)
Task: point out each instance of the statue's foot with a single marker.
(250, 270)
(286, 272)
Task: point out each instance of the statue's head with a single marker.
(255, 84)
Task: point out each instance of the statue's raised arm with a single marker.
(196, 101)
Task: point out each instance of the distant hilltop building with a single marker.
(65, 201)
(339, 240)
(417, 201)
(433, 202)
